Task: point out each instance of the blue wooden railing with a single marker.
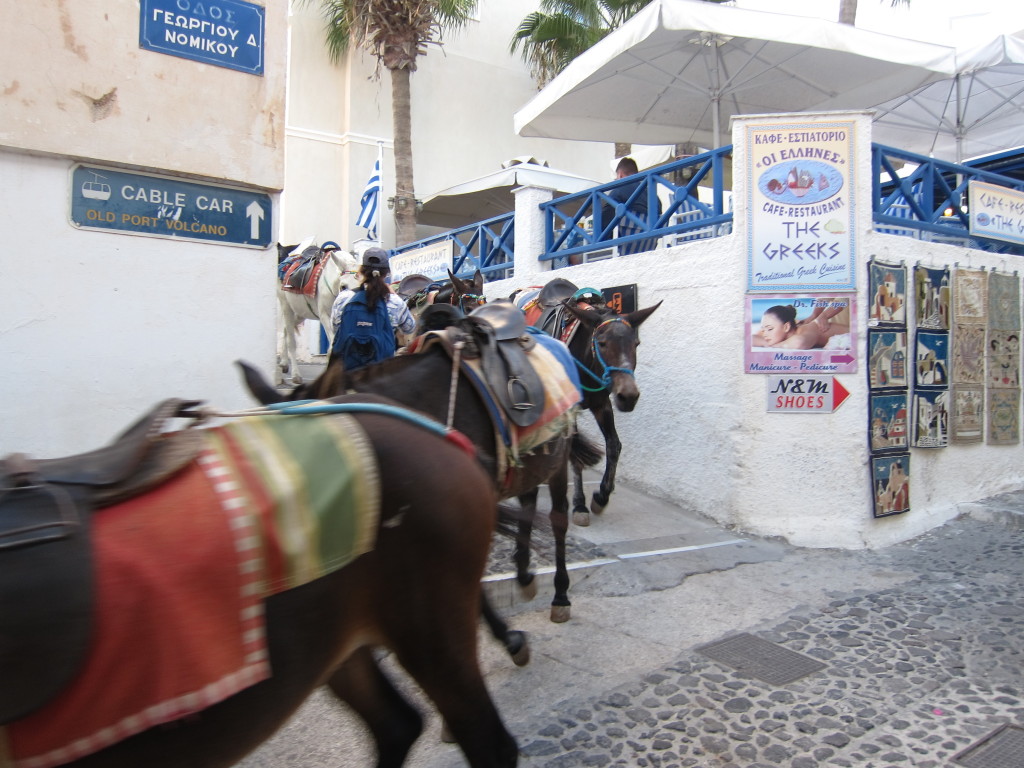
(929, 202)
(586, 221)
(488, 245)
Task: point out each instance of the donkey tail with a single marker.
(584, 451)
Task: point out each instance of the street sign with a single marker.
(804, 394)
(159, 206)
(225, 33)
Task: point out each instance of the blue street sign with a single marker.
(227, 33)
(143, 204)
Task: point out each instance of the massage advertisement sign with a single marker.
(800, 179)
(801, 334)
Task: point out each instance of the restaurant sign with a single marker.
(800, 179)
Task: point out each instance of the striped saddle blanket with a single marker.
(271, 503)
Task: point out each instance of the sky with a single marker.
(939, 20)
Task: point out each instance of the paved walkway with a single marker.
(920, 648)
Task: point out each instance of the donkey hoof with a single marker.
(518, 648)
(528, 591)
(446, 734)
(596, 506)
(560, 613)
(581, 519)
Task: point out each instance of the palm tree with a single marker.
(396, 32)
(563, 29)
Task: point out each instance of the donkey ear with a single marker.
(589, 317)
(458, 284)
(478, 282)
(637, 317)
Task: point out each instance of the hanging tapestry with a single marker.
(887, 290)
(968, 412)
(889, 422)
(967, 354)
(929, 403)
(890, 478)
(931, 359)
(1003, 359)
(889, 414)
(931, 293)
(931, 418)
(887, 355)
(1004, 417)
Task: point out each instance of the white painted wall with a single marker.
(700, 435)
(97, 327)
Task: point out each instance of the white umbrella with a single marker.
(491, 195)
(678, 70)
(978, 111)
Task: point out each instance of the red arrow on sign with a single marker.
(839, 393)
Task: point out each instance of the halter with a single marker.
(605, 379)
(470, 299)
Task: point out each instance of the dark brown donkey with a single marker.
(423, 381)
(416, 592)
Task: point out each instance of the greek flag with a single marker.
(370, 202)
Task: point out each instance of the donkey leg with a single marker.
(514, 640)
(394, 723)
(558, 485)
(521, 554)
(605, 417)
(580, 512)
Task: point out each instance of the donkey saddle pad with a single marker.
(46, 568)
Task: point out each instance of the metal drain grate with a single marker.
(1003, 748)
(761, 658)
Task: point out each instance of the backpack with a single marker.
(364, 336)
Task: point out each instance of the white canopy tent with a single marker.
(678, 70)
(978, 111)
(491, 195)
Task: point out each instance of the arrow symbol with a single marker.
(842, 358)
(839, 393)
(254, 213)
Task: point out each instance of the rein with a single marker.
(605, 379)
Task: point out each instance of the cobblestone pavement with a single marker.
(914, 675)
(922, 645)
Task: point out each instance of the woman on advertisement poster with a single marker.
(780, 328)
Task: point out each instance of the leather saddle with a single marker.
(551, 300)
(410, 285)
(301, 276)
(499, 329)
(46, 568)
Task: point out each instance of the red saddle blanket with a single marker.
(272, 502)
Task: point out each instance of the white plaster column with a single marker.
(530, 233)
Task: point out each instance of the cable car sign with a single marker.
(159, 206)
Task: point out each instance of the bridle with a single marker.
(605, 379)
(468, 301)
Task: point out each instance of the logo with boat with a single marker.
(800, 183)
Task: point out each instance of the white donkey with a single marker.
(339, 269)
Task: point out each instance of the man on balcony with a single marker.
(626, 226)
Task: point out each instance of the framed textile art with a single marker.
(931, 359)
(887, 291)
(887, 358)
(930, 410)
(889, 422)
(890, 481)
